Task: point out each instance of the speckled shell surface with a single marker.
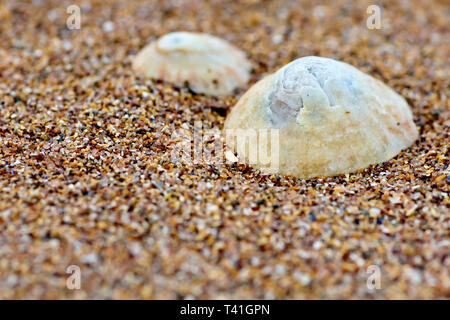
(206, 63)
(332, 118)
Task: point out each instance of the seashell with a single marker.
(206, 63)
(329, 117)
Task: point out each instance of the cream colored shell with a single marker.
(332, 118)
(206, 63)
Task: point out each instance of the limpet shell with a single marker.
(331, 118)
(205, 63)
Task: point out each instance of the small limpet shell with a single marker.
(206, 63)
(330, 117)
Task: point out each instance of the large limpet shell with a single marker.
(331, 118)
(206, 63)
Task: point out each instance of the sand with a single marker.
(86, 176)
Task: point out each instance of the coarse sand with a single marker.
(86, 176)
